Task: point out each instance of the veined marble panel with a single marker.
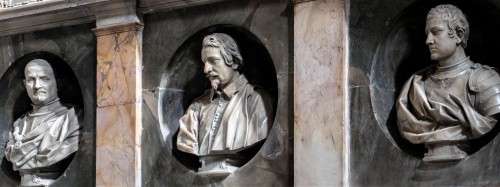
(118, 129)
(119, 64)
(319, 74)
(115, 145)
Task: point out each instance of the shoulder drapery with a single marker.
(425, 119)
(53, 138)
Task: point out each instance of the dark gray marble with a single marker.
(74, 47)
(387, 42)
(173, 78)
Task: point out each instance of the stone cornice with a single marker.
(58, 13)
(149, 6)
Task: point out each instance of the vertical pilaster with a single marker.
(119, 89)
(319, 92)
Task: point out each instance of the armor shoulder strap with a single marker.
(484, 83)
(483, 78)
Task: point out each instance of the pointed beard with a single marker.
(214, 84)
(434, 57)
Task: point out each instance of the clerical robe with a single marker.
(226, 122)
(53, 136)
(445, 104)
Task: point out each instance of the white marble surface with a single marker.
(319, 92)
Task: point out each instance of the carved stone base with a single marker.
(444, 152)
(216, 166)
(37, 178)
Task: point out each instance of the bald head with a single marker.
(40, 63)
(40, 82)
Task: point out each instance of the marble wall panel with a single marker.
(115, 146)
(165, 33)
(319, 36)
(386, 47)
(76, 46)
(117, 77)
(118, 127)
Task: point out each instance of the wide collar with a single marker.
(231, 89)
(452, 70)
(46, 108)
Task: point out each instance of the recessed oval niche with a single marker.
(403, 52)
(14, 101)
(183, 81)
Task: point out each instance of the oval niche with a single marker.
(183, 81)
(14, 101)
(403, 52)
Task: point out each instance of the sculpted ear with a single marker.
(459, 37)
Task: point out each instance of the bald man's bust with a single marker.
(46, 136)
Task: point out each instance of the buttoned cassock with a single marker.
(227, 121)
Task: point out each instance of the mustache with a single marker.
(211, 74)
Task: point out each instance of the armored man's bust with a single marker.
(232, 116)
(453, 101)
(46, 136)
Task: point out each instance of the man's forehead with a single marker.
(207, 49)
(204, 48)
(38, 70)
(38, 66)
(434, 22)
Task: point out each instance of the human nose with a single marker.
(37, 84)
(207, 68)
(430, 39)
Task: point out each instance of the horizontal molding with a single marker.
(43, 22)
(150, 6)
(58, 13)
(34, 8)
(118, 29)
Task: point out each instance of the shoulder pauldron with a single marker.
(484, 84)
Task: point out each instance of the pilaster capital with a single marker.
(115, 13)
(135, 26)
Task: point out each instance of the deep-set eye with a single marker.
(436, 31)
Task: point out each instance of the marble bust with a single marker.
(45, 136)
(455, 100)
(228, 118)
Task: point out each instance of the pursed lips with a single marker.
(40, 92)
